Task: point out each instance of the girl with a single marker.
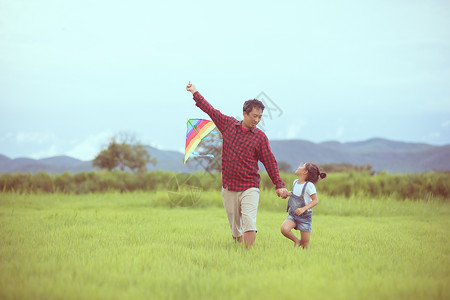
(303, 198)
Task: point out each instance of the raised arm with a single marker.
(217, 117)
(191, 88)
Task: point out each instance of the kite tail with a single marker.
(211, 138)
(202, 155)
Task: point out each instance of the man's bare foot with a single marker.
(297, 244)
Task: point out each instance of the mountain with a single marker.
(382, 154)
(168, 160)
(59, 164)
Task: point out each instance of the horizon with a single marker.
(182, 151)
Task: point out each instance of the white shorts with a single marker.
(241, 208)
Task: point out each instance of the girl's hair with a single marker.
(314, 173)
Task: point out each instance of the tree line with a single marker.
(123, 163)
(402, 186)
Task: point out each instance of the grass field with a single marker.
(134, 246)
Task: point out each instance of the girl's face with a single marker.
(301, 171)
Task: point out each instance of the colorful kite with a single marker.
(197, 130)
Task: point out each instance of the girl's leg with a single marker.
(304, 242)
(286, 230)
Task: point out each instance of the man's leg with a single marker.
(237, 239)
(249, 238)
(249, 207)
(232, 208)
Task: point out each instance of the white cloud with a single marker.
(88, 148)
(434, 135)
(51, 151)
(293, 130)
(6, 137)
(340, 131)
(34, 137)
(157, 145)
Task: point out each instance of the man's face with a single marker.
(252, 119)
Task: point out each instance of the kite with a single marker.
(197, 130)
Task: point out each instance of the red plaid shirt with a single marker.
(241, 151)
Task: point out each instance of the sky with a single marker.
(74, 73)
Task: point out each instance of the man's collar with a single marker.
(239, 123)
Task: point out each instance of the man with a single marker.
(243, 146)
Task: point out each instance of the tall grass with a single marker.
(135, 246)
(431, 185)
(328, 205)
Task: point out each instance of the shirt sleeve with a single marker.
(217, 117)
(310, 189)
(268, 159)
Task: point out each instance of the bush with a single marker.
(42, 182)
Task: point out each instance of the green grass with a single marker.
(134, 246)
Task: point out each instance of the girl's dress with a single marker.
(304, 221)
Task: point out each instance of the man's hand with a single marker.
(191, 88)
(283, 193)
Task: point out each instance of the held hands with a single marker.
(191, 88)
(283, 193)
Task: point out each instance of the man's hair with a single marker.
(250, 104)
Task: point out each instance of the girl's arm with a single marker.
(311, 204)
